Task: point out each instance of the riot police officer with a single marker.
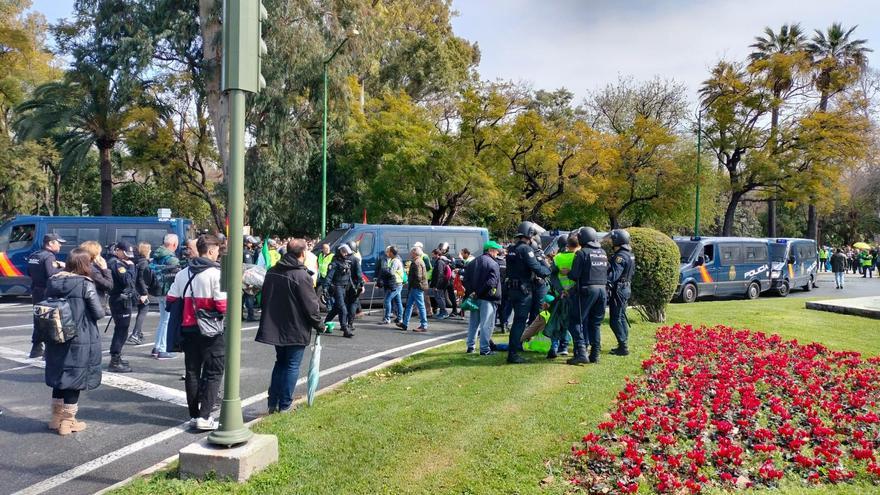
(620, 272)
(121, 302)
(540, 285)
(590, 274)
(523, 268)
(42, 265)
(338, 282)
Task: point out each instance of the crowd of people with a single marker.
(841, 261)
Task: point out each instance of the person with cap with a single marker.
(121, 302)
(540, 285)
(356, 264)
(338, 282)
(418, 285)
(523, 268)
(450, 286)
(621, 268)
(429, 271)
(561, 284)
(590, 274)
(248, 257)
(42, 264)
(482, 279)
(274, 255)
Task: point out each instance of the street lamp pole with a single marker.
(699, 153)
(324, 143)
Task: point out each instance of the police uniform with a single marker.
(540, 286)
(522, 268)
(620, 273)
(41, 265)
(339, 280)
(121, 302)
(589, 271)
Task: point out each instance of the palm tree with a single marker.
(86, 109)
(773, 57)
(837, 61)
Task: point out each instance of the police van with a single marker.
(794, 264)
(22, 235)
(722, 266)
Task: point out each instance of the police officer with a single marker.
(42, 265)
(540, 285)
(590, 274)
(561, 284)
(121, 301)
(248, 258)
(338, 282)
(523, 268)
(620, 273)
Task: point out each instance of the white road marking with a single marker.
(18, 327)
(82, 469)
(16, 368)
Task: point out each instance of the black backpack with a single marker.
(54, 320)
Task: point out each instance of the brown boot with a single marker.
(55, 422)
(69, 424)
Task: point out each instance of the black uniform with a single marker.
(41, 266)
(620, 273)
(340, 281)
(522, 268)
(590, 274)
(540, 287)
(122, 298)
(249, 300)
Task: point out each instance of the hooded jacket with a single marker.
(76, 364)
(203, 293)
(290, 305)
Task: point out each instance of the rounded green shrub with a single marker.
(656, 274)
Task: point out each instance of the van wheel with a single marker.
(688, 293)
(754, 291)
(783, 289)
(809, 286)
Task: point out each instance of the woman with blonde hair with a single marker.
(142, 282)
(100, 274)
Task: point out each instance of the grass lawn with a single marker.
(449, 422)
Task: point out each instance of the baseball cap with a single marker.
(491, 245)
(126, 248)
(52, 237)
(418, 245)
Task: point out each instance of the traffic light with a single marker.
(243, 45)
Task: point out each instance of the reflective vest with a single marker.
(545, 315)
(866, 259)
(563, 262)
(398, 274)
(324, 263)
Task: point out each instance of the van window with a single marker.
(400, 242)
(730, 254)
(709, 254)
(153, 237)
(366, 243)
(755, 253)
(17, 237)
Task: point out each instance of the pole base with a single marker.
(202, 459)
(232, 430)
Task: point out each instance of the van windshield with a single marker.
(778, 252)
(16, 237)
(332, 237)
(686, 249)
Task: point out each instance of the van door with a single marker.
(366, 240)
(707, 273)
(17, 242)
(729, 277)
(756, 264)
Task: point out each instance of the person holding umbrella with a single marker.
(290, 311)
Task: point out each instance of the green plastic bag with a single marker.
(469, 304)
(538, 343)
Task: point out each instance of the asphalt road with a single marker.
(138, 419)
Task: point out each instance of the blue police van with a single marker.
(794, 264)
(22, 235)
(722, 266)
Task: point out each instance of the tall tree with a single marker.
(837, 62)
(780, 58)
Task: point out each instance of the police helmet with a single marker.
(620, 237)
(353, 245)
(526, 229)
(343, 250)
(587, 237)
(561, 242)
(443, 247)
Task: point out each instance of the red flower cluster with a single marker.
(734, 409)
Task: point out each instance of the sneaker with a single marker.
(515, 359)
(206, 424)
(563, 353)
(441, 316)
(133, 340)
(289, 409)
(470, 350)
(165, 355)
(154, 352)
(386, 322)
(192, 423)
(421, 330)
(401, 326)
(490, 352)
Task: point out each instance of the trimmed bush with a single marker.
(656, 273)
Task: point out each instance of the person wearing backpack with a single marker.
(440, 278)
(164, 266)
(198, 288)
(75, 365)
(142, 282)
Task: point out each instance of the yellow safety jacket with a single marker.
(324, 261)
(563, 262)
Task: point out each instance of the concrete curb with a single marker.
(843, 309)
(159, 466)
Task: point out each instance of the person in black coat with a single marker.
(290, 312)
(101, 275)
(142, 282)
(74, 365)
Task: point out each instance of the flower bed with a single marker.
(728, 408)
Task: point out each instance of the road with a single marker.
(138, 419)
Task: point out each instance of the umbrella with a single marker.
(862, 245)
(315, 366)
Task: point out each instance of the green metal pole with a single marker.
(324, 166)
(232, 430)
(699, 153)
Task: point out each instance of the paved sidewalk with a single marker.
(868, 307)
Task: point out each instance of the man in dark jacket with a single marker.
(42, 265)
(482, 278)
(440, 281)
(290, 313)
(838, 267)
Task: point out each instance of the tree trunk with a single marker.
(730, 213)
(771, 218)
(56, 194)
(613, 221)
(812, 223)
(212, 49)
(771, 203)
(106, 181)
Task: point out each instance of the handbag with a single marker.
(469, 304)
(210, 321)
(54, 320)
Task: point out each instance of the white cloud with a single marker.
(583, 45)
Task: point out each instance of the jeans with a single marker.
(838, 279)
(120, 310)
(440, 296)
(617, 308)
(521, 302)
(204, 360)
(561, 345)
(482, 320)
(392, 296)
(587, 312)
(284, 375)
(161, 341)
(417, 297)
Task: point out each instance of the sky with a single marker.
(584, 45)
